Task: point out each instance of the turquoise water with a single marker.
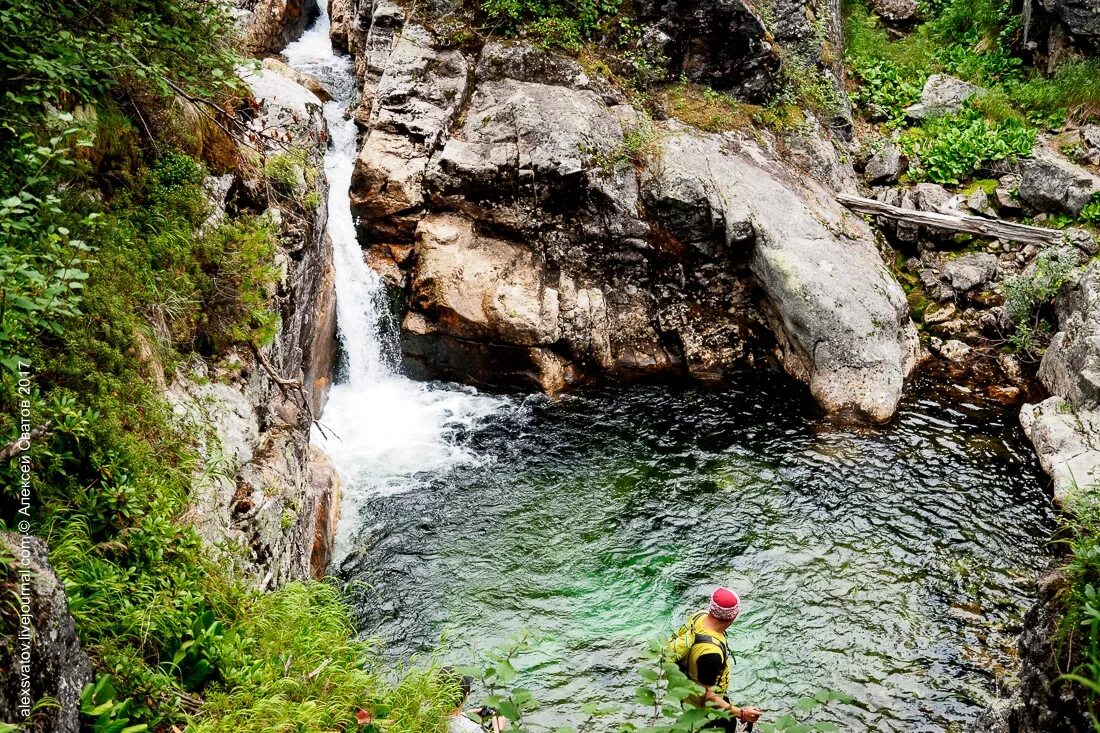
(892, 563)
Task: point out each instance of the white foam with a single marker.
(381, 429)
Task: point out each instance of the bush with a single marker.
(559, 23)
(1026, 294)
(951, 149)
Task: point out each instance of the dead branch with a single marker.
(21, 444)
(977, 225)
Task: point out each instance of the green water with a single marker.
(893, 564)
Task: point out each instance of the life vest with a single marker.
(692, 641)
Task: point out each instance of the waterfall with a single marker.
(381, 429)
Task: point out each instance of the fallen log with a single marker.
(955, 222)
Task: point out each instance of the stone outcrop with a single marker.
(548, 233)
(1081, 18)
(942, 95)
(1039, 704)
(267, 26)
(1050, 182)
(1065, 428)
(265, 496)
(57, 666)
(721, 43)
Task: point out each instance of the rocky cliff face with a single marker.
(265, 497)
(1065, 428)
(545, 232)
(36, 619)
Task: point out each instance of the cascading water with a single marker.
(892, 564)
(380, 428)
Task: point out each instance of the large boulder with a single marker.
(841, 319)
(40, 651)
(1066, 427)
(1049, 182)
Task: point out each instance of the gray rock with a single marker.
(885, 166)
(841, 319)
(939, 313)
(1082, 240)
(978, 202)
(721, 43)
(1065, 428)
(58, 666)
(955, 351)
(970, 271)
(1051, 183)
(942, 95)
(1080, 17)
(931, 197)
(1006, 203)
(895, 10)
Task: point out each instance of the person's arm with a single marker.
(710, 669)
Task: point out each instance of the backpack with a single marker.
(679, 645)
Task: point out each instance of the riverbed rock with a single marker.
(1049, 182)
(942, 95)
(970, 271)
(58, 667)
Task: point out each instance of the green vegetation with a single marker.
(973, 40)
(112, 273)
(554, 23)
(1027, 294)
(1079, 647)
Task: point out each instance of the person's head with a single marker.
(724, 606)
(462, 684)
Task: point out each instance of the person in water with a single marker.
(457, 720)
(701, 651)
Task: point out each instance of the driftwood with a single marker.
(21, 444)
(955, 222)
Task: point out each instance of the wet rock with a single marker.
(885, 166)
(955, 351)
(58, 667)
(267, 26)
(1051, 183)
(942, 95)
(720, 43)
(1007, 395)
(970, 271)
(311, 83)
(325, 489)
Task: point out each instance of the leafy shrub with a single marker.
(951, 149)
(559, 23)
(1025, 294)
